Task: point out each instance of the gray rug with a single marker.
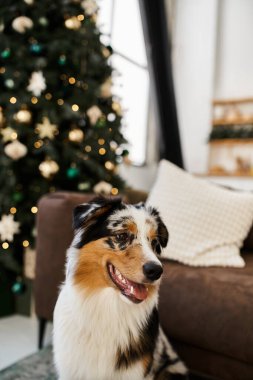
(35, 367)
(40, 367)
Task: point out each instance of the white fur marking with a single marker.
(94, 328)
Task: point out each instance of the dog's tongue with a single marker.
(137, 291)
(134, 291)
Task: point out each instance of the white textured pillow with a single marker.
(207, 224)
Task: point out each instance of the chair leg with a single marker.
(42, 329)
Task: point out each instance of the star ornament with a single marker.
(9, 134)
(37, 83)
(46, 129)
(8, 227)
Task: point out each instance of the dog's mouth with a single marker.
(132, 290)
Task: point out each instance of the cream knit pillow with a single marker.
(207, 224)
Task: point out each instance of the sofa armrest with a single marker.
(54, 235)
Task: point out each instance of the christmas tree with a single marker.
(59, 123)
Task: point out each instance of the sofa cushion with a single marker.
(207, 223)
(210, 308)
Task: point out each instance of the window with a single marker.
(120, 24)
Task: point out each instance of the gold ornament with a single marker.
(106, 89)
(73, 23)
(76, 135)
(117, 108)
(48, 168)
(94, 113)
(15, 150)
(103, 188)
(23, 116)
(109, 165)
(46, 129)
(106, 52)
(21, 24)
(9, 134)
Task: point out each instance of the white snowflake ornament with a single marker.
(15, 150)
(94, 114)
(46, 129)
(22, 23)
(8, 227)
(37, 83)
(90, 7)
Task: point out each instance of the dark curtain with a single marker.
(155, 26)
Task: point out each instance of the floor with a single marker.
(18, 337)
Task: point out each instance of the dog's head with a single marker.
(118, 247)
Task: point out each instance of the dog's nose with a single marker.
(152, 270)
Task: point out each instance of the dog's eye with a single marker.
(156, 246)
(122, 238)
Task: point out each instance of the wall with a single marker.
(234, 64)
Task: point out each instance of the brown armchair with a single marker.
(206, 312)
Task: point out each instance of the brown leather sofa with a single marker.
(206, 312)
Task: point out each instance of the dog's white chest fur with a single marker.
(89, 331)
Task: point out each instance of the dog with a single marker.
(106, 324)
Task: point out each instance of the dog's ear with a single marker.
(162, 232)
(87, 214)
